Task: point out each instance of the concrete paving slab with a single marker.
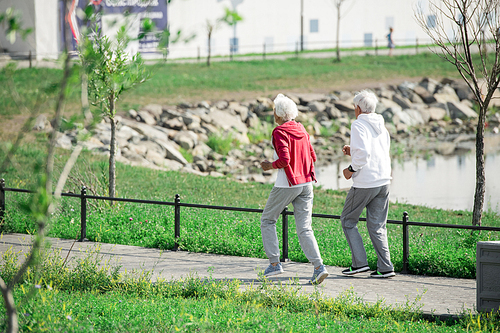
(440, 296)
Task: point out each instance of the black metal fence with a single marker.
(284, 216)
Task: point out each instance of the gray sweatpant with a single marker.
(302, 200)
(376, 201)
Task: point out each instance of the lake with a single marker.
(446, 182)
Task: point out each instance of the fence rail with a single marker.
(284, 217)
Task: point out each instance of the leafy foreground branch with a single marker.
(92, 294)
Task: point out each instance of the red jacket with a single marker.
(295, 152)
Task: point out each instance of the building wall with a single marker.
(277, 23)
(20, 47)
(47, 29)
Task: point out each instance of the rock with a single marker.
(186, 139)
(126, 133)
(202, 165)
(63, 141)
(175, 124)
(424, 94)
(307, 98)
(154, 109)
(42, 123)
(333, 112)
(345, 107)
(293, 97)
(132, 113)
(155, 157)
(344, 95)
(135, 159)
(221, 105)
(240, 110)
(150, 132)
(460, 110)
(429, 84)
(227, 121)
(216, 174)
(403, 102)
(189, 119)
(146, 117)
(204, 104)
(384, 103)
(172, 165)
(316, 106)
(436, 113)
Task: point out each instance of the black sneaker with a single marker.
(355, 270)
(378, 274)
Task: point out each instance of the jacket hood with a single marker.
(374, 120)
(292, 128)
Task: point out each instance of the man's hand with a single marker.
(346, 150)
(266, 165)
(347, 174)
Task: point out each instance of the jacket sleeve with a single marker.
(360, 147)
(313, 153)
(282, 150)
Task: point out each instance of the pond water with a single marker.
(446, 182)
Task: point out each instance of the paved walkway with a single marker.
(439, 296)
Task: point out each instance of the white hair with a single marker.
(286, 109)
(366, 100)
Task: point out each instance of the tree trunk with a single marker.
(480, 177)
(112, 149)
(338, 32)
(209, 48)
(12, 324)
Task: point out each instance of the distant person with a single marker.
(294, 158)
(370, 171)
(390, 41)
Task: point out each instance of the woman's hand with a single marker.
(266, 165)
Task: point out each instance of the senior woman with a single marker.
(294, 158)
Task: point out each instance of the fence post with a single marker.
(264, 52)
(199, 54)
(29, 58)
(284, 219)
(376, 46)
(177, 221)
(83, 214)
(2, 200)
(231, 52)
(297, 49)
(406, 245)
(416, 46)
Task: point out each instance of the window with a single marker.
(431, 21)
(368, 39)
(313, 26)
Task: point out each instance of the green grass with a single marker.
(92, 295)
(172, 82)
(433, 251)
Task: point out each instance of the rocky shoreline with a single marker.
(423, 117)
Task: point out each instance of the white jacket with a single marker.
(370, 144)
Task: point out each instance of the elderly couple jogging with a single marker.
(370, 171)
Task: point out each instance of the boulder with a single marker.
(460, 110)
(436, 113)
(429, 84)
(146, 117)
(42, 123)
(316, 106)
(333, 112)
(154, 109)
(403, 102)
(424, 94)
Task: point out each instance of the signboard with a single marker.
(111, 15)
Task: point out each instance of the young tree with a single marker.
(110, 72)
(457, 27)
(230, 18)
(338, 4)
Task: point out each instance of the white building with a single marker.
(277, 24)
(273, 23)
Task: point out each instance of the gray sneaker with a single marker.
(319, 275)
(273, 270)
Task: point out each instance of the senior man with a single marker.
(370, 171)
